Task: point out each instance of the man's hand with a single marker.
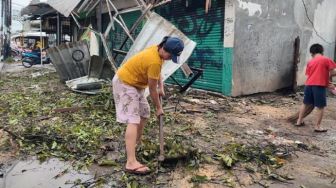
(161, 92)
(159, 112)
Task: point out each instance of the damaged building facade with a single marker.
(262, 34)
(243, 47)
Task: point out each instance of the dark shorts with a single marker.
(315, 95)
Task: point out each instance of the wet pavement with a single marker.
(18, 67)
(50, 174)
(53, 173)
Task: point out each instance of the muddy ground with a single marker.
(220, 141)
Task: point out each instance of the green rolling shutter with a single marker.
(207, 31)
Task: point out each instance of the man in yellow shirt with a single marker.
(129, 83)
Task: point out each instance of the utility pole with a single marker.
(6, 22)
(1, 29)
(9, 26)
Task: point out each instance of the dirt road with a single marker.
(236, 142)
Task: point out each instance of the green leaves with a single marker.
(29, 111)
(13, 121)
(226, 160)
(133, 184)
(54, 145)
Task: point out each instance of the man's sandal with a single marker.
(136, 170)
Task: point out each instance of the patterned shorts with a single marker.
(130, 102)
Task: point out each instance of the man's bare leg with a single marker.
(141, 127)
(130, 140)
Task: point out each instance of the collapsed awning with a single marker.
(82, 73)
(64, 7)
(37, 9)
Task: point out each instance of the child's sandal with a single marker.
(300, 125)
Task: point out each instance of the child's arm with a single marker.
(331, 86)
(332, 72)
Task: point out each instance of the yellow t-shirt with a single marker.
(136, 70)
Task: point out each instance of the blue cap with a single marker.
(174, 46)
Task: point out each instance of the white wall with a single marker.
(324, 18)
(264, 33)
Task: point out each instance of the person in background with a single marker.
(319, 71)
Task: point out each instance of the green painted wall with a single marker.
(227, 71)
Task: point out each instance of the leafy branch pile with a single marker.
(47, 120)
(29, 110)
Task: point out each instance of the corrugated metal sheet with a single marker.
(64, 60)
(121, 4)
(207, 31)
(152, 33)
(37, 9)
(78, 70)
(65, 7)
